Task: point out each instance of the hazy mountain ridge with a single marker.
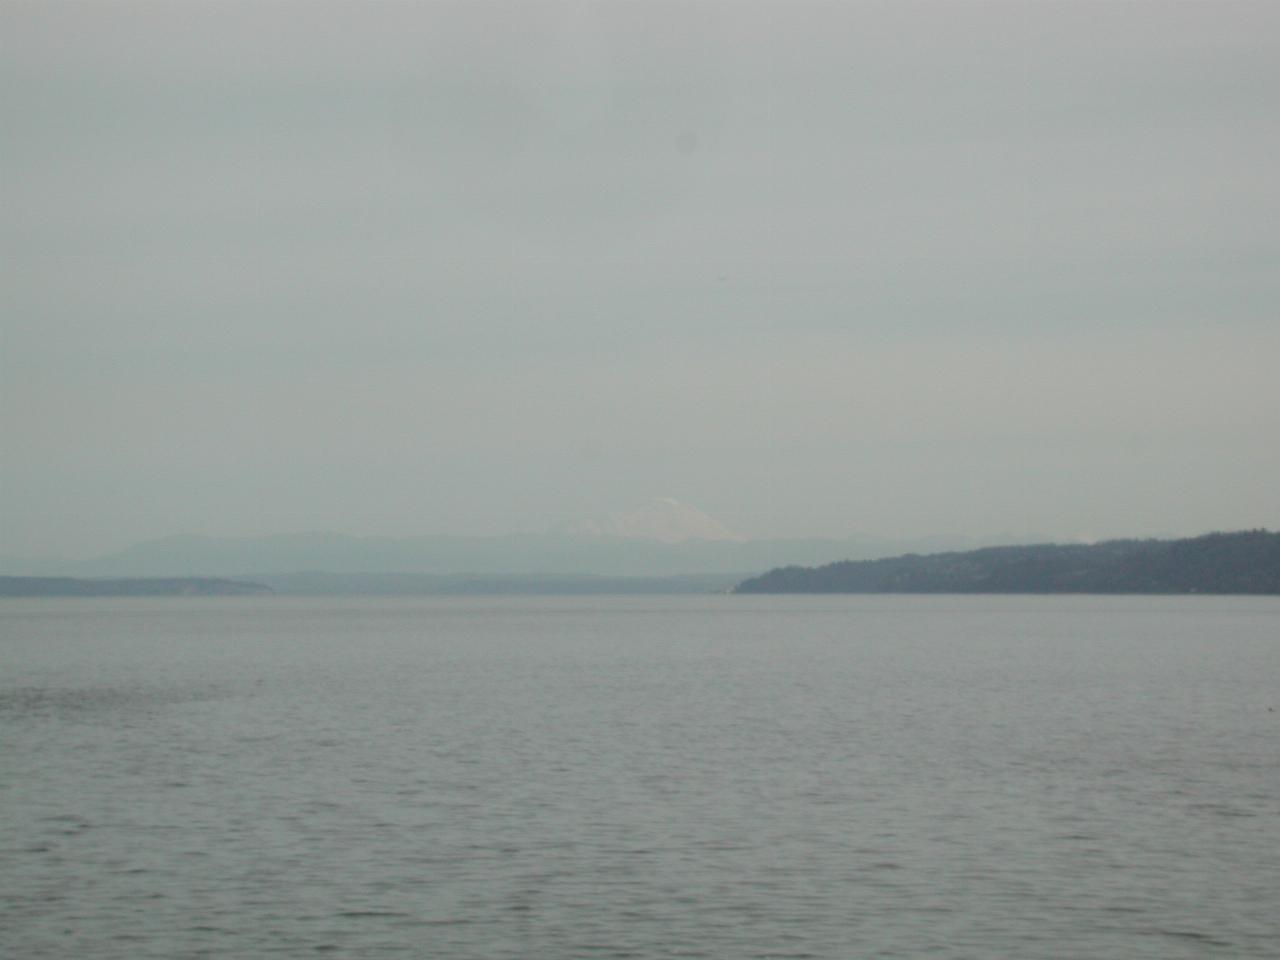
(129, 587)
(1246, 562)
(191, 555)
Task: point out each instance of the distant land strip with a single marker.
(424, 585)
(132, 587)
(371, 585)
(1246, 562)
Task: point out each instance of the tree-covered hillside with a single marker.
(1244, 562)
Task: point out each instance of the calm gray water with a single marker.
(660, 777)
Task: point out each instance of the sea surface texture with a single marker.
(721, 777)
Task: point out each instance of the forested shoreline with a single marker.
(1245, 562)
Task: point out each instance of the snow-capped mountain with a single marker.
(663, 519)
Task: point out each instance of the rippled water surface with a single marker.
(661, 777)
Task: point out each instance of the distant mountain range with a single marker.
(141, 587)
(1247, 562)
(560, 553)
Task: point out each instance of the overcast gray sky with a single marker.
(474, 268)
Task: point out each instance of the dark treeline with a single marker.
(134, 587)
(1244, 562)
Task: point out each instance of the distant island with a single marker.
(132, 587)
(1247, 562)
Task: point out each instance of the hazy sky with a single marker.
(478, 268)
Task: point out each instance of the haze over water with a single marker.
(715, 777)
